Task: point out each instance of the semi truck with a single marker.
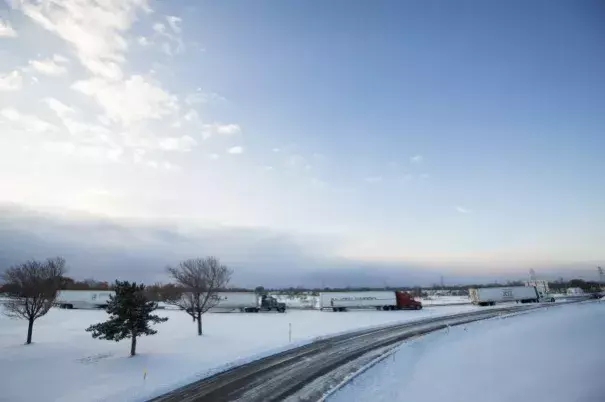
(380, 300)
(83, 299)
(491, 296)
(248, 302)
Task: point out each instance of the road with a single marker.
(306, 373)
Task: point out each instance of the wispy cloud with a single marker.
(48, 67)
(145, 100)
(373, 179)
(236, 150)
(209, 130)
(463, 210)
(416, 159)
(12, 81)
(6, 30)
(182, 144)
(17, 121)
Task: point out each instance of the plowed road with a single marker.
(306, 373)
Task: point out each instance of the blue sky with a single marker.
(460, 134)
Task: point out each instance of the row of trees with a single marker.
(31, 289)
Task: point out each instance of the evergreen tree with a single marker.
(129, 315)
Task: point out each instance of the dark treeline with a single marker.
(557, 286)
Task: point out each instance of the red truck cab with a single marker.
(405, 301)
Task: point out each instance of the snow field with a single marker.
(75, 367)
(552, 354)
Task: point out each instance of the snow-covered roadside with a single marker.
(555, 355)
(76, 367)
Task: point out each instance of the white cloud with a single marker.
(143, 41)
(463, 210)
(12, 81)
(94, 29)
(175, 23)
(318, 183)
(296, 161)
(191, 115)
(276, 150)
(416, 159)
(58, 107)
(159, 28)
(218, 128)
(197, 98)
(29, 123)
(235, 150)
(6, 30)
(115, 153)
(47, 67)
(268, 168)
(60, 59)
(183, 144)
(214, 156)
(373, 179)
(129, 101)
(228, 129)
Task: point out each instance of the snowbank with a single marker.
(554, 355)
(75, 367)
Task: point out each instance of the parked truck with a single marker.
(491, 296)
(83, 299)
(248, 302)
(380, 300)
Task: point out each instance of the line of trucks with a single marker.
(248, 302)
(251, 302)
(335, 301)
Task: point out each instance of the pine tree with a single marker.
(129, 315)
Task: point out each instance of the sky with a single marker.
(423, 137)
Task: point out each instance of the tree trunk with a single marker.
(133, 345)
(199, 323)
(30, 330)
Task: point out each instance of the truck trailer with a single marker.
(242, 301)
(380, 300)
(246, 302)
(83, 299)
(491, 296)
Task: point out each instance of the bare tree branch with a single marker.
(198, 280)
(32, 289)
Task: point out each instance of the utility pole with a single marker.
(600, 271)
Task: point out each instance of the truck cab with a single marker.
(269, 303)
(406, 301)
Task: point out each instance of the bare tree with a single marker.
(32, 289)
(199, 280)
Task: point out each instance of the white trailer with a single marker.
(341, 301)
(242, 301)
(83, 299)
(491, 296)
(575, 292)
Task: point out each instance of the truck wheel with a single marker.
(418, 307)
(378, 308)
(335, 310)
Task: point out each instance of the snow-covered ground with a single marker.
(553, 355)
(69, 365)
